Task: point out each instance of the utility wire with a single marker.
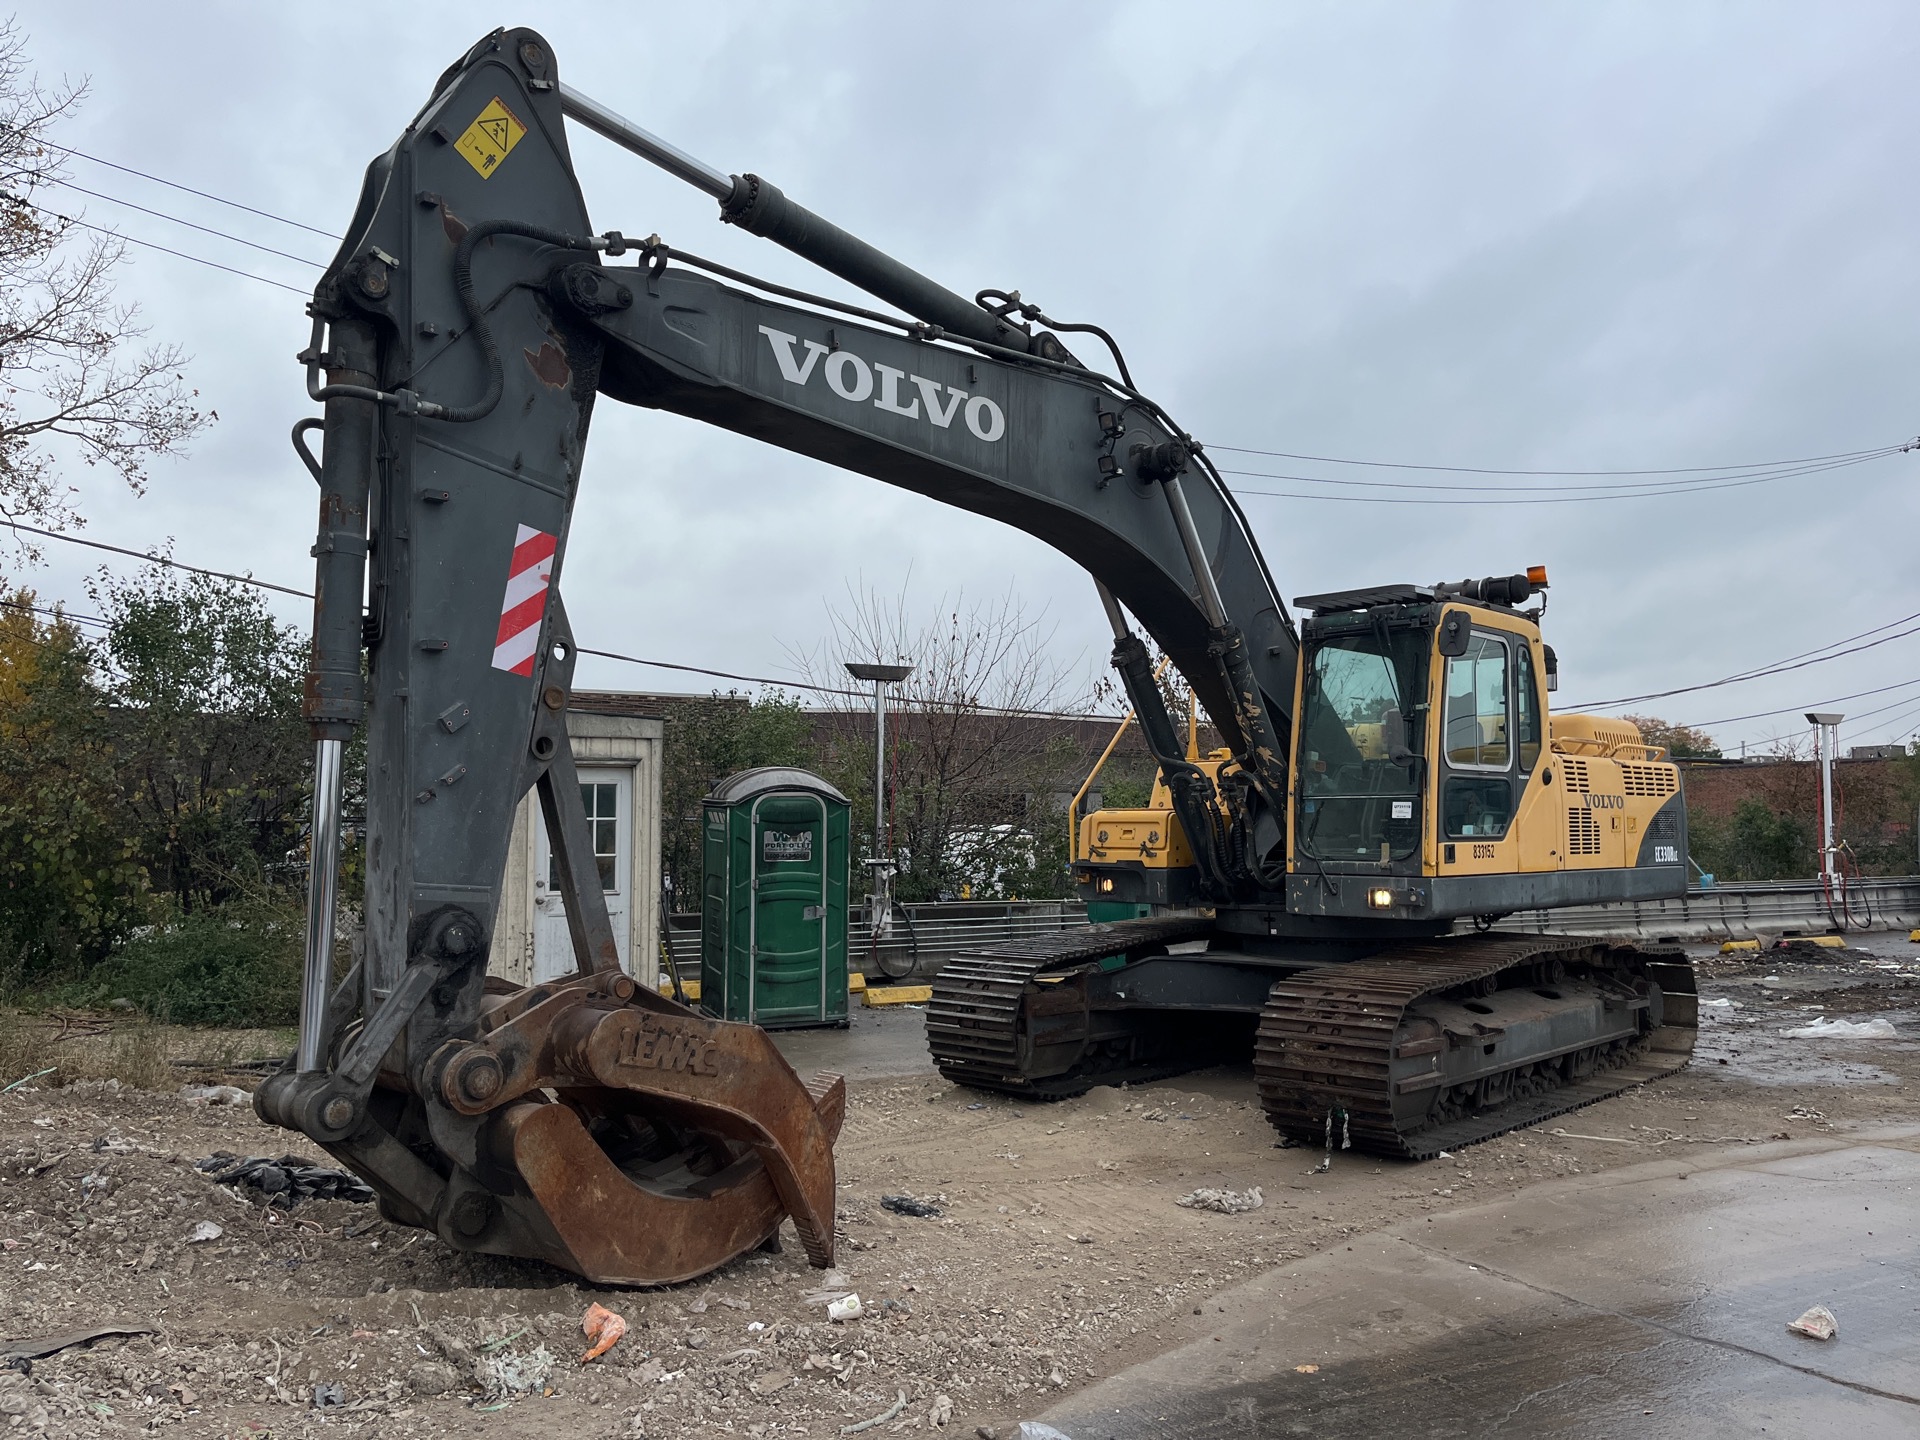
(1484, 470)
(191, 225)
(188, 189)
(1627, 487)
(153, 245)
(1794, 709)
(834, 689)
(584, 650)
(1731, 473)
(1682, 488)
(1780, 668)
(53, 614)
(171, 564)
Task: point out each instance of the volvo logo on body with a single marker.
(1606, 802)
(856, 381)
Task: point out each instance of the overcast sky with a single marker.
(1509, 236)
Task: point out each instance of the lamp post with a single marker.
(880, 863)
(1826, 739)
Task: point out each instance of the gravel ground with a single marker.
(1059, 1254)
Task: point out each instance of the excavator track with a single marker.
(1341, 1048)
(979, 1022)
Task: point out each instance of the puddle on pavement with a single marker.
(1563, 1370)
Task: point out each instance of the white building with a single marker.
(616, 748)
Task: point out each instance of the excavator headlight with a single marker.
(1380, 898)
(1105, 887)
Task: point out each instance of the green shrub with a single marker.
(234, 965)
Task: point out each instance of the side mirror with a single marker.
(1455, 629)
(1393, 737)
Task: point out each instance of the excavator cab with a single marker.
(1432, 782)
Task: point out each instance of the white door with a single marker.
(606, 794)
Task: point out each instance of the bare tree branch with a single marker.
(70, 364)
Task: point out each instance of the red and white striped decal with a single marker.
(525, 602)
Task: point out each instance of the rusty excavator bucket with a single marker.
(587, 1122)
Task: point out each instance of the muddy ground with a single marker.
(1059, 1256)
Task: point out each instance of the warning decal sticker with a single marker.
(490, 138)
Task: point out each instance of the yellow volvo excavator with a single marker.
(1388, 775)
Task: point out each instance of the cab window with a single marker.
(1476, 706)
(1526, 708)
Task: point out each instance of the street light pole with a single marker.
(1826, 738)
(880, 863)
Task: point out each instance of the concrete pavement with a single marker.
(1649, 1301)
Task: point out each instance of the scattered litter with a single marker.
(215, 1095)
(1444, 1155)
(1824, 1029)
(39, 1347)
(1609, 1139)
(899, 1404)
(1223, 1202)
(1037, 1430)
(328, 1395)
(285, 1181)
(847, 1307)
(1817, 1324)
(1807, 1112)
(1722, 1003)
(907, 1205)
(731, 1303)
(25, 1078)
(942, 1411)
(603, 1330)
(205, 1231)
(1306, 1369)
(507, 1373)
(756, 1326)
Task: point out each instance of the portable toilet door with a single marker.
(774, 931)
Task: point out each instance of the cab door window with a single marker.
(1477, 718)
(1526, 708)
(1477, 800)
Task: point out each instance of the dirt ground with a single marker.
(1059, 1255)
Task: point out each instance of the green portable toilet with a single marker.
(773, 900)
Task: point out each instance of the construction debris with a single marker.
(1825, 1029)
(907, 1205)
(603, 1330)
(1817, 1324)
(1223, 1202)
(285, 1181)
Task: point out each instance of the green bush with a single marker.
(235, 965)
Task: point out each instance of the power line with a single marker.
(1681, 488)
(53, 614)
(188, 189)
(1655, 487)
(171, 564)
(834, 689)
(153, 245)
(1777, 669)
(584, 650)
(1727, 476)
(1796, 709)
(1484, 470)
(191, 225)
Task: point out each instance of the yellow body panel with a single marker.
(1151, 836)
